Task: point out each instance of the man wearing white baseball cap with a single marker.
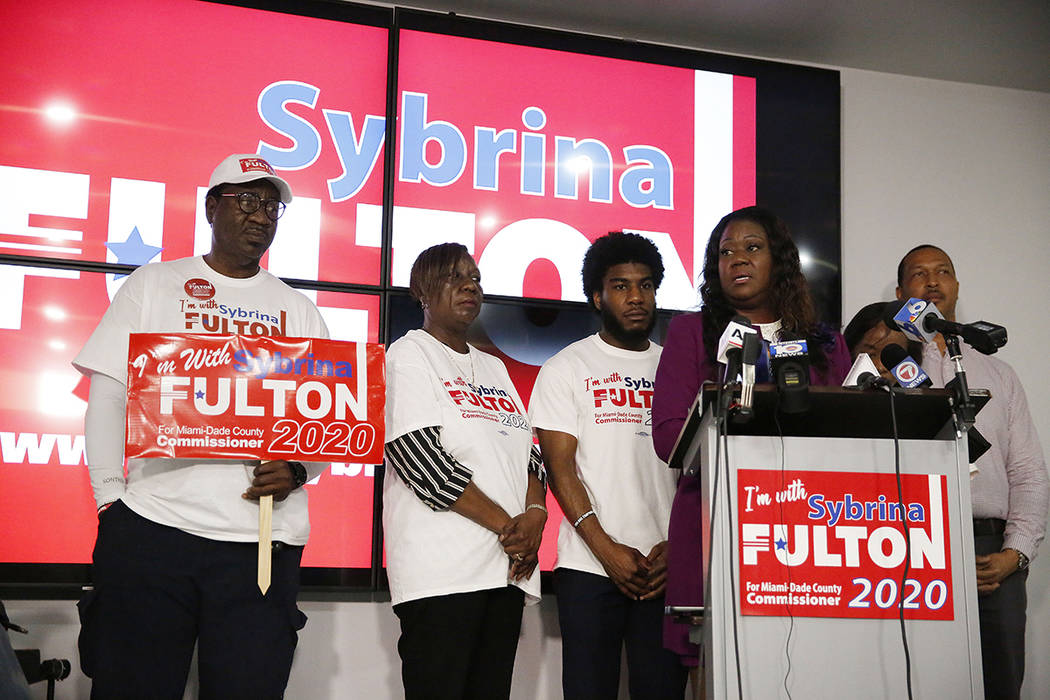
(247, 167)
(175, 560)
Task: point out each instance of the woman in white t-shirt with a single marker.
(460, 446)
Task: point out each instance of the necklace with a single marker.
(457, 360)
(455, 357)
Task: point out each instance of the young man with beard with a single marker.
(592, 410)
(1010, 490)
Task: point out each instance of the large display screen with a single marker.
(115, 114)
(524, 145)
(526, 155)
(49, 512)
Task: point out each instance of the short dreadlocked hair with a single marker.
(431, 267)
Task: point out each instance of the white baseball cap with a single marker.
(248, 167)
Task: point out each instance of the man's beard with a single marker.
(614, 328)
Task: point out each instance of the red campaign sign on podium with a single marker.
(832, 544)
(254, 397)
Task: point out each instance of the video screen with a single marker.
(115, 114)
(526, 155)
(46, 497)
(524, 145)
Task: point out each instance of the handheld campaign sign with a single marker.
(254, 397)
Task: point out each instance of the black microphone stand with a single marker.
(962, 404)
(729, 386)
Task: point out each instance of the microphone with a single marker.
(895, 356)
(905, 370)
(749, 358)
(864, 374)
(920, 320)
(730, 347)
(983, 336)
(789, 365)
(915, 314)
(910, 318)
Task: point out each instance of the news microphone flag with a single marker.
(789, 349)
(789, 366)
(904, 368)
(862, 365)
(733, 338)
(910, 318)
(909, 375)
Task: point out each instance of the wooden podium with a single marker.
(802, 548)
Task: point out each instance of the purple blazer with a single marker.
(684, 366)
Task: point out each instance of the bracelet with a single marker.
(299, 475)
(537, 506)
(582, 518)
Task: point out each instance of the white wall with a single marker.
(966, 168)
(963, 166)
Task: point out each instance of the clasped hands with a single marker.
(638, 577)
(520, 539)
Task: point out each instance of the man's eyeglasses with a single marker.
(249, 203)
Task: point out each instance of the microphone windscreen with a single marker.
(892, 355)
(752, 348)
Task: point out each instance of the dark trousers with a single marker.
(460, 645)
(597, 622)
(1002, 629)
(158, 590)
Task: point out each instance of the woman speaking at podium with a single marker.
(751, 269)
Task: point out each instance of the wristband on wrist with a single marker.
(582, 518)
(104, 507)
(536, 506)
(299, 476)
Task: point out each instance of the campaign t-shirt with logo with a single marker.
(484, 426)
(602, 395)
(187, 296)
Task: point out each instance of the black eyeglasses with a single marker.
(249, 203)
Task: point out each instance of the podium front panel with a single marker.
(829, 626)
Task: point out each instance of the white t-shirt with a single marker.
(484, 426)
(201, 498)
(602, 395)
